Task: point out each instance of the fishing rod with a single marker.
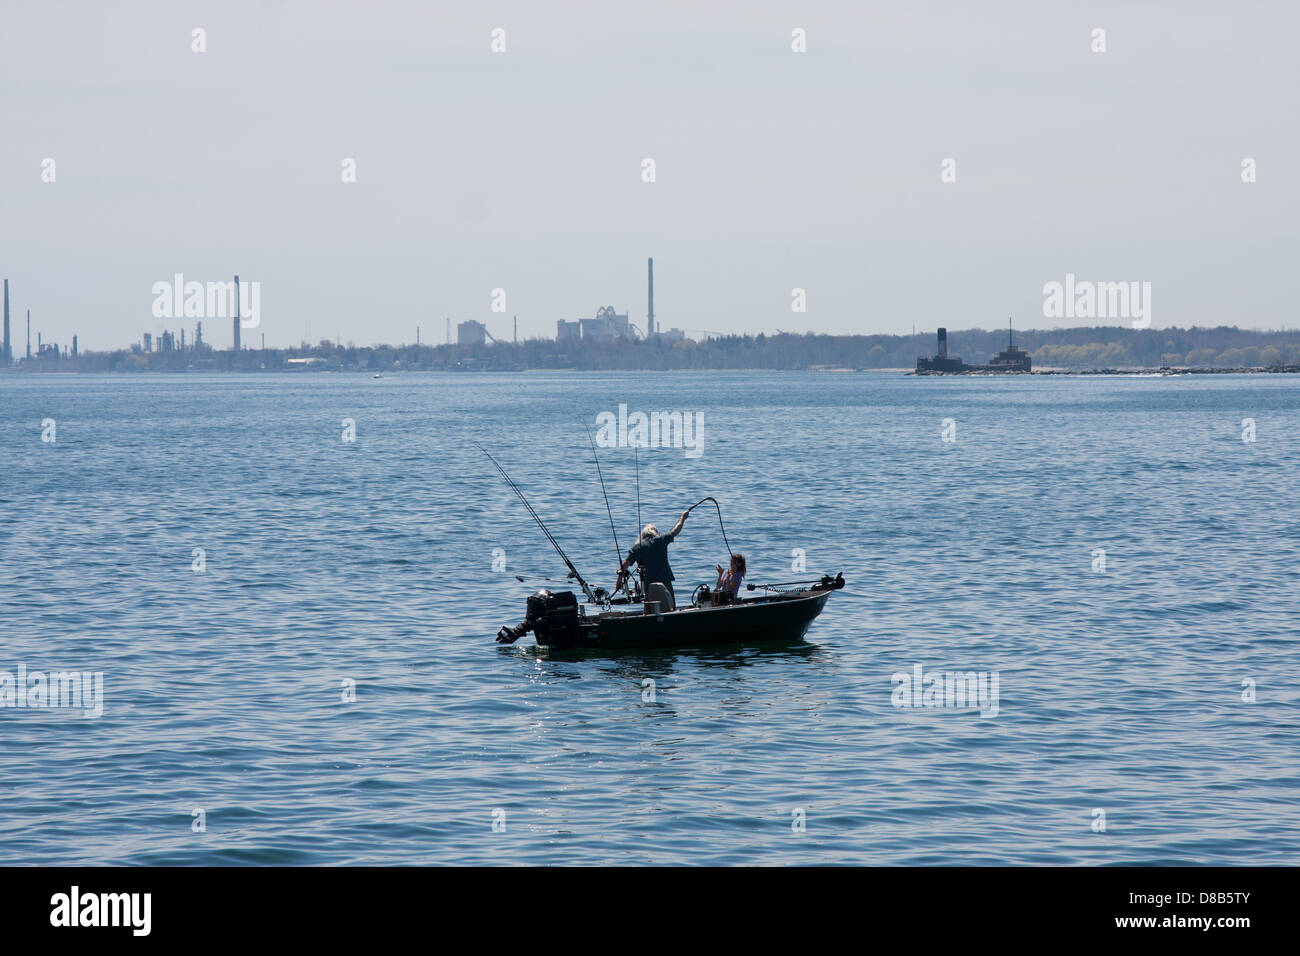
(586, 588)
(825, 580)
(637, 465)
(718, 507)
(618, 552)
(531, 577)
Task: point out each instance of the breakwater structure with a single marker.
(1010, 360)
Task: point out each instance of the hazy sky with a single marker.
(523, 170)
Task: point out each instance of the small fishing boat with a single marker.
(780, 613)
(558, 620)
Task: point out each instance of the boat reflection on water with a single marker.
(661, 662)
(653, 680)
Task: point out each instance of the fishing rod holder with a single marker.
(826, 582)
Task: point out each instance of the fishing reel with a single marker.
(705, 596)
(629, 585)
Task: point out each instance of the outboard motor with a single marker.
(552, 617)
(558, 625)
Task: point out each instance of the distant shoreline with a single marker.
(1078, 351)
(388, 373)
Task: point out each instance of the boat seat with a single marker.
(656, 592)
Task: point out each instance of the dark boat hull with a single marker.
(768, 619)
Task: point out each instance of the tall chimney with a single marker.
(516, 330)
(650, 266)
(236, 313)
(8, 355)
(74, 346)
(943, 343)
(29, 333)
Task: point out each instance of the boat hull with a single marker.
(775, 619)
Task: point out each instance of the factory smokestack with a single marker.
(8, 354)
(29, 333)
(236, 313)
(943, 343)
(651, 322)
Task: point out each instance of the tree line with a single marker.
(1081, 348)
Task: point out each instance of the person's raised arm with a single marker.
(677, 528)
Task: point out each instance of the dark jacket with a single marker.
(652, 555)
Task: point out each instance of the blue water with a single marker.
(371, 562)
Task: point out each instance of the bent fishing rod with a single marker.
(718, 507)
(721, 527)
(586, 588)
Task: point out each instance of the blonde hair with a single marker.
(649, 531)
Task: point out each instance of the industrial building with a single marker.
(471, 332)
(608, 325)
(605, 326)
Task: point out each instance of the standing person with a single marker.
(651, 552)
